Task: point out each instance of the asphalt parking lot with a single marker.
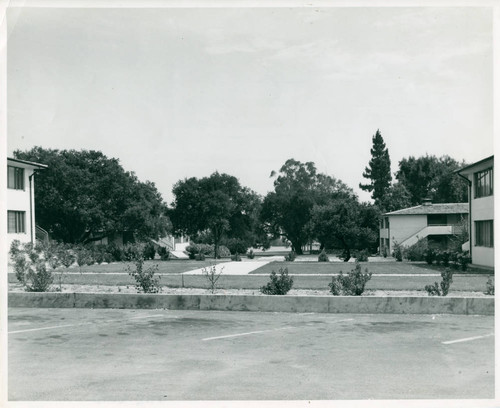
(162, 355)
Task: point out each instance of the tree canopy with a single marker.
(378, 170)
(432, 177)
(216, 205)
(83, 194)
(298, 187)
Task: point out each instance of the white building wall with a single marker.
(482, 209)
(402, 227)
(19, 200)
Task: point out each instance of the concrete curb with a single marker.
(300, 304)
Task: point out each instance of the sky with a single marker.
(175, 93)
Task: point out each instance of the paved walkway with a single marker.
(237, 268)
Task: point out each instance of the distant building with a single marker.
(21, 200)
(436, 222)
(480, 178)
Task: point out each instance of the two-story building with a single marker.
(481, 208)
(21, 200)
(436, 222)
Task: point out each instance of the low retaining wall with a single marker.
(317, 304)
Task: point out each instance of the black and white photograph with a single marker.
(252, 203)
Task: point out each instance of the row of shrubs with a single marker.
(421, 251)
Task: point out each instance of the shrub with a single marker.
(417, 251)
(145, 279)
(149, 251)
(279, 285)
(66, 256)
(430, 256)
(98, 252)
(352, 284)
(323, 257)
(212, 276)
(163, 253)
(82, 256)
(223, 251)
(290, 257)
(443, 288)
(397, 252)
(362, 256)
(463, 260)
(236, 257)
(490, 286)
(384, 252)
(15, 248)
(133, 251)
(200, 257)
(116, 252)
(30, 269)
(236, 246)
(250, 254)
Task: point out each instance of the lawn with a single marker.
(303, 268)
(164, 267)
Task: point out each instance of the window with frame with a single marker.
(483, 182)
(484, 233)
(15, 178)
(16, 222)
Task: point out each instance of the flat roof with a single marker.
(439, 208)
(28, 163)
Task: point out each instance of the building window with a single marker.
(16, 221)
(484, 233)
(483, 181)
(387, 222)
(15, 178)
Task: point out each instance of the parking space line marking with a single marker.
(261, 331)
(467, 339)
(81, 324)
(244, 334)
(47, 328)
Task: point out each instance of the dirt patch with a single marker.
(248, 292)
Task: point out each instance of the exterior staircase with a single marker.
(429, 230)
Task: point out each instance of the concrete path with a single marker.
(237, 268)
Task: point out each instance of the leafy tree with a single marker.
(217, 207)
(345, 223)
(378, 170)
(83, 194)
(395, 198)
(286, 211)
(432, 177)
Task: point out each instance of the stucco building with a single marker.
(439, 223)
(21, 200)
(480, 177)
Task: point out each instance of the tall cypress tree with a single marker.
(378, 170)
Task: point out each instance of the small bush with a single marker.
(145, 279)
(200, 257)
(236, 246)
(30, 269)
(212, 276)
(236, 257)
(362, 256)
(490, 286)
(417, 251)
(290, 257)
(279, 285)
(384, 252)
(397, 252)
(250, 254)
(149, 251)
(443, 288)
(116, 252)
(163, 253)
(352, 284)
(463, 260)
(323, 257)
(430, 256)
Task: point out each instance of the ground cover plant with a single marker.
(352, 284)
(278, 284)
